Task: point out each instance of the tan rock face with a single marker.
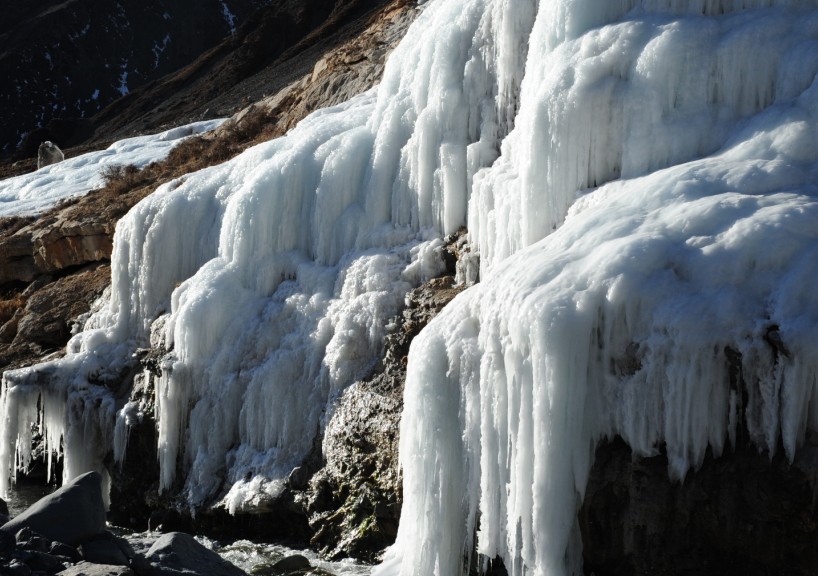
(48, 312)
(53, 244)
(17, 259)
(72, 243)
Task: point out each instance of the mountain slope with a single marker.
(68, 60)
(80, 75)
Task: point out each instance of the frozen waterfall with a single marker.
(640, 180)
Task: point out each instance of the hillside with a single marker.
(192, 64)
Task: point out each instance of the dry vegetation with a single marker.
(126, 185)
(11, 224)
(9, 307)
(257, 125)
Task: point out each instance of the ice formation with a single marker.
(638, 176)
(650, 215)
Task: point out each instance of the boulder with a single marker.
(103, 551)
(296, 563)
(72, 514)
(109, 549)
(179, 553)
(88, 569)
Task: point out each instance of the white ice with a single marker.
(637, 177)
(35, 192)
(609, 310)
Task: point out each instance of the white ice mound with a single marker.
(627, 319)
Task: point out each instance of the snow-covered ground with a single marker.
(37, 191)
(639, 177)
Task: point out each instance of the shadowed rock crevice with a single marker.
(744, 513)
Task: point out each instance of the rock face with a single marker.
(741, 514)
(43, 248)
(354, 501)
(350, 69)
(71, 514)
(39, 319)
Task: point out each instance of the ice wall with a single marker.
(648, 222)
(273, 277)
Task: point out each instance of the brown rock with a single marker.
(72, 243)
(17, 258)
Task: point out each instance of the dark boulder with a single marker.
(72, 514)
(179, 553)
(295, 564)
(88, 569)
(112, 550)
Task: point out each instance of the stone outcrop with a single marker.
(72, 514)
(46, 312)
(354, 500)
(744, 513)
(52, 246)
(350, 69)
(179, 553)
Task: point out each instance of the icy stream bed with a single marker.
(245, 554)
(250, 556)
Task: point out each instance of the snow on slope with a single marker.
(38, 191)
(644, 209)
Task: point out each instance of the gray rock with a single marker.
(72, 514)
(111, 550)
(295, 563)
(179, 553)
(27, 539)
(88, 569)
(60, 549)
(42, 562)
(103, 551)
(17, 569)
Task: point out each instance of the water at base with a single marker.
(249, 556)
(24, 495)
(254, 557)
